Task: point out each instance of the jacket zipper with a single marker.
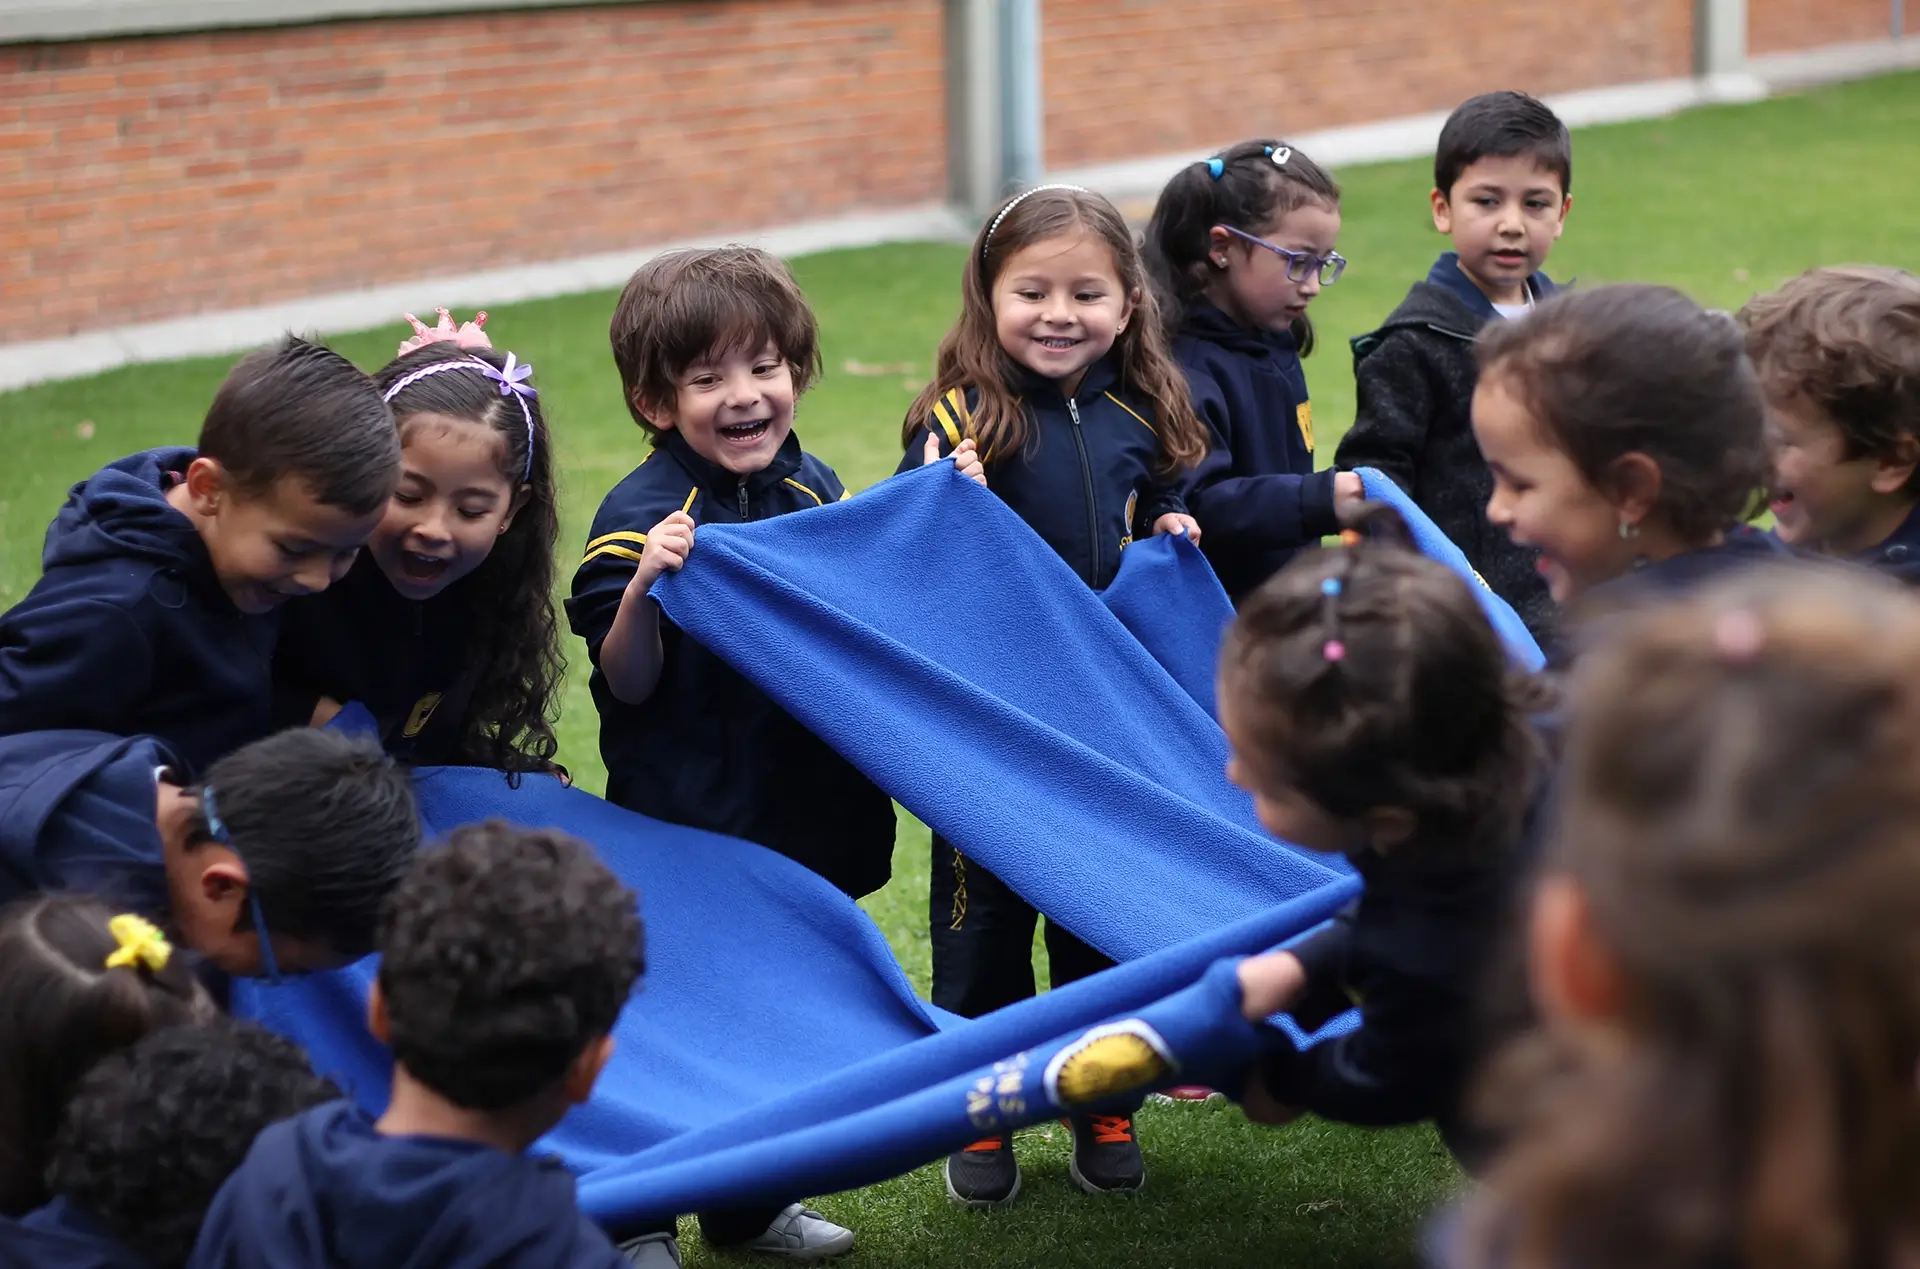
(1086, 480)
(743, 500)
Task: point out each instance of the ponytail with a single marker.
(1246, 187)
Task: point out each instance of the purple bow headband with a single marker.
(512, 380)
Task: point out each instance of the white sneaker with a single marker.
(652, 1251)
(800, 1233)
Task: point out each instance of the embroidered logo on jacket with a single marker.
(422, 711)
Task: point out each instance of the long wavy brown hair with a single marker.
(971, 356)
(1741, 816)
(515, 641)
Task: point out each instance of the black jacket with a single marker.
(1256, 496)
(405, 660)
(1086, 479)
(1412, 954)
(128, 629)
(323, 1190)
(709, 749)
(1415, 378)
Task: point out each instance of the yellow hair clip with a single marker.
(141, 943)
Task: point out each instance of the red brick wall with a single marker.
(152, 177)
(1779, 26)
(1125, 78)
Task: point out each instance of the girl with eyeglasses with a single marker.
(1238, 247)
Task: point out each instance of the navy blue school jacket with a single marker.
(324, 1190)
(1899, 555)
(1412, 953)
(62, 1236)
(1086, 479)
(405, 660)
(709, 749)
(1742, 548)
(77, 813)
(1256, 496)
(128, 629)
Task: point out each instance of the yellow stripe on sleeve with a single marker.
(944, 417)
(622, 552)
(624, 535)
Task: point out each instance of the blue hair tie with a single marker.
(1215, 167)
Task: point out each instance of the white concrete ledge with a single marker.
(27, 21)
(208, 334)
(1414, 136)
(1783, 72)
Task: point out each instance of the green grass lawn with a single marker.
(1721, 202)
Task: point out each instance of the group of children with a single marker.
(1698, 851)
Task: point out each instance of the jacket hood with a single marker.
(1206, 321)
(122, 510)
(326, 1189)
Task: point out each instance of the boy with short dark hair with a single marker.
(714, 347)
(162, 571)
(279, 859)
(1838, 351)
(1502, 186)
(151, 1134)
(506, 956)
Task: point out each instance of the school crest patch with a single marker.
(1122, 1057)
(1303, 415)
(422, 711)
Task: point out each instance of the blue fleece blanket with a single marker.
(775, 1048)
(1438, 546)
(929, 635)
(1063, 739)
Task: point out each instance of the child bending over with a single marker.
(445, 627)
(279, 859)
(156, 613)
(1373, 714)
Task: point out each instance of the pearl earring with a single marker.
(1629, 530)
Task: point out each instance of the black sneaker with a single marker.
(985, 1174)
(1106, 1158)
